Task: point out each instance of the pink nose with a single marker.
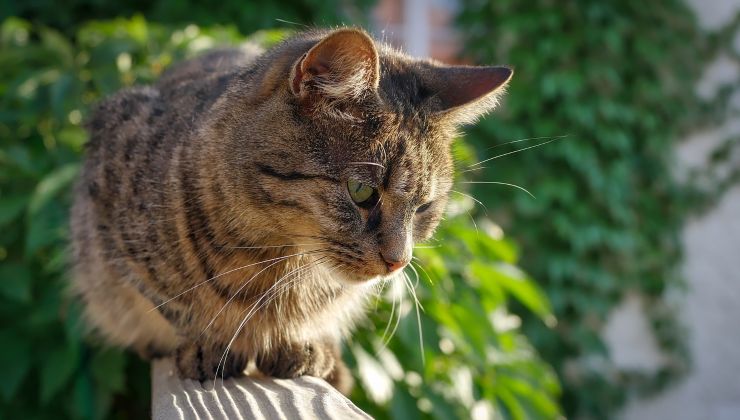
(394, 265)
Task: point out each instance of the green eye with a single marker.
(361, 193)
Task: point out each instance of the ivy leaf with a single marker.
(15, 362)
(52, 183)
(56, 370)
(15, 282)
(11, 207)
(108, 369)
(46, 228)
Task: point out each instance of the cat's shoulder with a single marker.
(124, 107)
(212, 63)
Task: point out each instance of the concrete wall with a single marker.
(711, 309)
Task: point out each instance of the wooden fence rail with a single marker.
(246, 398)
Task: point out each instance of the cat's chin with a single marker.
(361, 280)
(355, 280)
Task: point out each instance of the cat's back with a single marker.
(179, 99)
(134, 138)
(206, 68)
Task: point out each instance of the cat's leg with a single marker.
(124, 316)
(201, 362)
(322, 359)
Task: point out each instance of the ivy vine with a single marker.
(615, 80)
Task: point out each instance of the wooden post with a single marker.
(246, 398)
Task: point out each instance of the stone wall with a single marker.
(711, 308)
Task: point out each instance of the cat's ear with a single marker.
(343, 65)
(467, 92)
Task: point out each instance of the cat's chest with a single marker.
(288, 295)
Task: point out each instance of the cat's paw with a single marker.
(293, 360)
(150, 351)
(322, 360)
(341, 378)
(202, 363)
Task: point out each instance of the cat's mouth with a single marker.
(367, 274)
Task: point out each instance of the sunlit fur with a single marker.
(212, 220)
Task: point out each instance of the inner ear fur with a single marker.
(343, 65)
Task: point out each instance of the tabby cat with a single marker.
(243, 207)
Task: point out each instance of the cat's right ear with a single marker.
(343, 65)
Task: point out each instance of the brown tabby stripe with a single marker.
(292, 176)
(233, 239)
(196, 223)
(374, 219)
(267, 198)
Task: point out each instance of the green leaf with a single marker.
(403, 405)
(15, 362)
(56, 370)
(47, 227)
(11, 207)
(16, 281)
(52, 183)
(108, 367)
(515, 282)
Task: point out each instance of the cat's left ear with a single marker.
(343, 65)
(465, 93)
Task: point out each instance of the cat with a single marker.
(243, 207)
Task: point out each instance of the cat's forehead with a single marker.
(403, 157)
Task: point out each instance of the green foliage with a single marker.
(474, 356)
(247, 16)
(616, 81)
(47, 83)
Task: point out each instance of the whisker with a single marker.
(485, 209)
(390, 319)
(501, 183)
(292, 23)
(366, 163)
(416, 274)
(423, 270)
(275, 246)
(251, 311)
(475, 225)
(398, 319)
(527, 139)
(411, 289)
(512, 152)
(232, 297)
(225, 273)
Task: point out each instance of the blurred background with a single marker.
(613, 294)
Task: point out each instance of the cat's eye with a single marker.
(424, 207)
(362, 194)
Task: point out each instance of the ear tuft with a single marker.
(467, 92)
(343, 65)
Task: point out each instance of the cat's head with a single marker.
(348, 146)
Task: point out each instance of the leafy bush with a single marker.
(607, 90)
(247, 16)
(474, 356)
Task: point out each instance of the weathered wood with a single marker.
(246, 398)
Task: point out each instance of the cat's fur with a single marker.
(194, 188)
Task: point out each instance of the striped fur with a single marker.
(212, 212)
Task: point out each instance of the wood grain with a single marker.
(246, 398)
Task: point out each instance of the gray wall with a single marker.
(711, 309)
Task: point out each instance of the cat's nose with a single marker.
(395, 263)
